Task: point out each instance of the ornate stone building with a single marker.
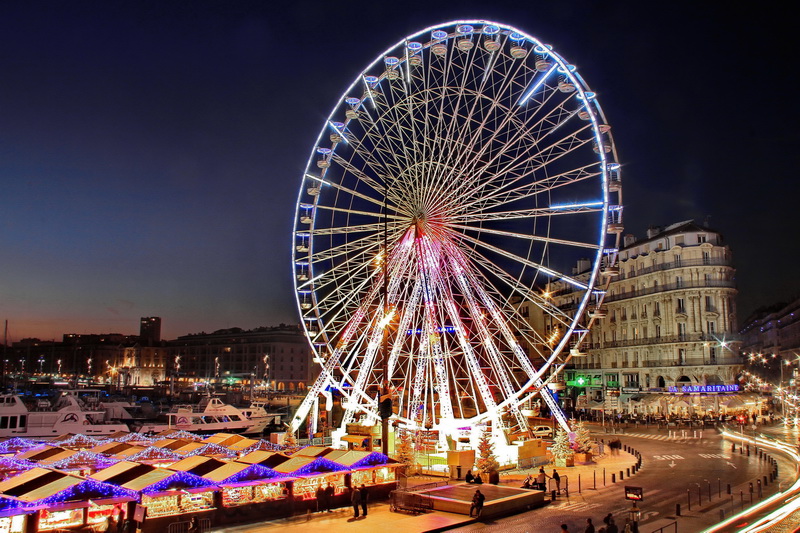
(668, 320)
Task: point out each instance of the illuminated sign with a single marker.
(705, 388)
(634, 493)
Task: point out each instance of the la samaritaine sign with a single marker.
(705, 388)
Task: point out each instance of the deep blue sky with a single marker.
(151, 152)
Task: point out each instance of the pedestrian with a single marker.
(321, 507)
(557, 478)
(541, 479)
(612, 527)
(469, 478)
(607, 519)
(364, 497)
(564, 528)
(329, 492)
(194, 525)
(355, 499)
(477, 503)
(589, 526)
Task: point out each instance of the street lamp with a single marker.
(634, 515)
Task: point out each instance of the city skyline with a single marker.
(153, 152)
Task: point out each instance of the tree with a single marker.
(289, 440)
(561, 450)
(405, 450)
(583, 442)
(487, 461)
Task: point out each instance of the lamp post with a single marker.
(634, 514)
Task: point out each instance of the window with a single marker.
(658, 331)
(709, 303)
(681, 306)
(656, 308)
(706, 258)
(701, 238)
(676, 259)
(710, 327)
(682, 330)
(679, 281)
(682, 356)
(712, 354)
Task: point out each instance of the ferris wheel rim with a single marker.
(597, 117)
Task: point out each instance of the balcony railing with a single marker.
(670, 287)
(664, 339)
(683, 263)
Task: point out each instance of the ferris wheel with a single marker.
(455, 185)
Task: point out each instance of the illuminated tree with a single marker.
(487, 461)
(405, 451)
(583, 443)
(561, 450)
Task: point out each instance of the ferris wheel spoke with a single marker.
(373, 228)
(530, 189)
(527, 262)
(347, 190)
(537, 212)
(528, 237)
(366, 244)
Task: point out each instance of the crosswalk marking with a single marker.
(666, 457)
(574, 506)
(714, 456)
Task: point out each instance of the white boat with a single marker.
(70, 414)
(211, 415)
(261, 418)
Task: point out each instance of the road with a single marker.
(675, 471)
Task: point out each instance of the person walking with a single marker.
(364, 498)
(355, 499)
(194, 525)
(607, 519)
(329, 493)
(320, 494)
(477, 503)
(557, 478)
(564, 528)
(612, 527)
(589, 526)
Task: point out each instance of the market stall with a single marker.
(13, 517)
(266, 458)
(16, 445)
(371, 469)
(64, 501)
(40, 453)
(197, 464)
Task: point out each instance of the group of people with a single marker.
(324, 498)
(541, 480)
(609, 526)
(359, 497)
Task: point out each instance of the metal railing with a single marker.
(683, 263)
(700, 284)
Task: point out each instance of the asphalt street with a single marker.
(680, 467)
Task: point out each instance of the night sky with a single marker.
(151, 152)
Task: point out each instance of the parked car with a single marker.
(542, 431)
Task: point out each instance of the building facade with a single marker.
(668, 321)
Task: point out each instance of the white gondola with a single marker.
(606, 148)
(566, 87)
(492, 45)
(305, 219)
(543, 65)
(305, 306)
(301, 248)
(323, 163)
(302, 276)
(392, 74)
(415, 60)
(439, 49)
(351, 114)
(584, 115)
(465, 45)
(610, 271)
(518, 52)
(335, 138)
(604, 128)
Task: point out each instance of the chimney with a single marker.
(652, 231)
(628, 240)
(583, 266)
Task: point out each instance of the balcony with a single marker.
(725, 284)
(666, 339)
(677, 264)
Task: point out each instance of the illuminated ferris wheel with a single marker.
(460, 176)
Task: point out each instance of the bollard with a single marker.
(733, 447)
(594, 479)
(621, 477)
(689, 499)
(748, 450)
(579, 483)
(729, 488)
(765, 481)
(758, 482)
(719, 488)
(553, 495)
(628, 472)
(677, 509)
(721, 515)
(604, 477)
(613, 479)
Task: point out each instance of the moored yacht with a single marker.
(70, 414)
(211, 415)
